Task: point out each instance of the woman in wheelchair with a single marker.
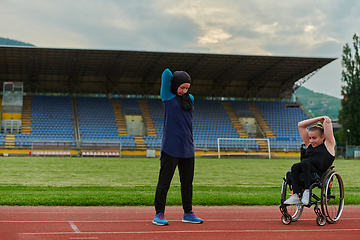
(318, 157)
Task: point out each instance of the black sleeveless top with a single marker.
(319, 157)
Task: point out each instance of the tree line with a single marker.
(349, 114)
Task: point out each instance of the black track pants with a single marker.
(167, 169)
(305, 167)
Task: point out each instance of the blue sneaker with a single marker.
(160, 220)
(191, 218)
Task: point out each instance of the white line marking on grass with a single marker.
(201, 231)
(153, 185)
(73, 226)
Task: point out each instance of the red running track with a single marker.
(53, 223)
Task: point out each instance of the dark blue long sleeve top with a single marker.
(178, 133)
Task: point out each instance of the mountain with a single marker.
(318, 104)
(7, 41)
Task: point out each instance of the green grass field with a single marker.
(132, 181)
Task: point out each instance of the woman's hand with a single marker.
(326, 119)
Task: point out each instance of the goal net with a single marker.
(243, 146)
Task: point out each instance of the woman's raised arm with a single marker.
(303, 131)
(166, 79)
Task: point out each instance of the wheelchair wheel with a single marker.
(286, 219)
(321, 220)
(294, 211)
(332, 197)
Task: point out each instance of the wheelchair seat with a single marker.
(314, 177)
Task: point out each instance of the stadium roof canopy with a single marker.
(51, 70)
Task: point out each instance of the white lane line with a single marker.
(173, 220)
(73, 226)
(84, 238)
(201, 231)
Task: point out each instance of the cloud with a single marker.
(213, 35)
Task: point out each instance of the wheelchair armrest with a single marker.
(326, 173)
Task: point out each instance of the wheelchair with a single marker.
(326, 191)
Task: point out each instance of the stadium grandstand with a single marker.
(78, 102)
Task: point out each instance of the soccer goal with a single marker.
(248, 146)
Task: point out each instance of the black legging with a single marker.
(167, 169)
(306, 167)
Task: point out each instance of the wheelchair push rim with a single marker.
(294, 211)
(332, 197)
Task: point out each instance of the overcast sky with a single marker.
(305, 28)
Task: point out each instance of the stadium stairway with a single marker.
(261, 121)
(149, 123)
(26, 116)
(262, 145)
(262, 124)
(119, 117)
(10, 141)
(140, 143)
(235, 121)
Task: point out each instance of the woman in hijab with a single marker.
(177, 147)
